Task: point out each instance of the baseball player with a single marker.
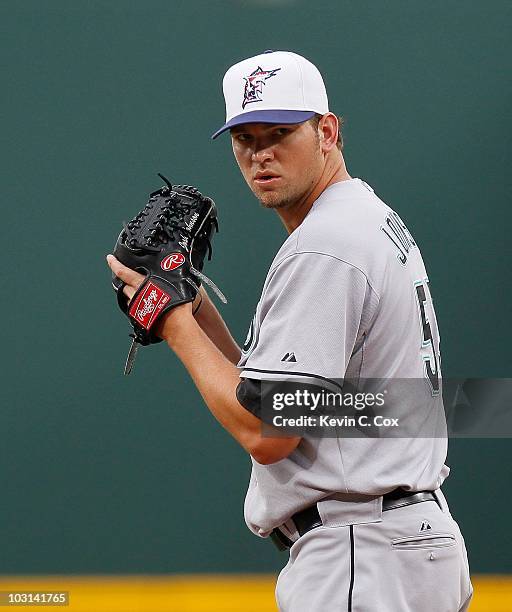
(347, 296)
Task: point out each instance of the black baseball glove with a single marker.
(167, 242)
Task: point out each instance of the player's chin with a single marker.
(270, 198)
(269, 201)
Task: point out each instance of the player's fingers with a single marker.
(129, 292)
(128, 276)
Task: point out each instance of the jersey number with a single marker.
(430, 360)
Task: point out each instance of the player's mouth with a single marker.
(266, 179)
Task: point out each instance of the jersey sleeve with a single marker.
(308, 320)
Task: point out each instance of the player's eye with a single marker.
(282, 131)
(242, 137)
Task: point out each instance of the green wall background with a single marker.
(103, 474)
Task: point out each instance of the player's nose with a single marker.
(262, 155)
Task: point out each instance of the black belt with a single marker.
(308, 519)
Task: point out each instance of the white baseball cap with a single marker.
(273, 87)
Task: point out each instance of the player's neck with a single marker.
(334, 172)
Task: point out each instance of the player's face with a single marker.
(280, 163)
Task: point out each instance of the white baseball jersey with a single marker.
(346, 296)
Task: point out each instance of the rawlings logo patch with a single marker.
(148, 305)
(172, 261)
(254, 83)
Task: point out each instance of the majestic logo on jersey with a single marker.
(289, 357)
(172, 261)
(254, 84)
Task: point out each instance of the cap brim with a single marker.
(266, 116)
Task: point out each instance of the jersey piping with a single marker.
(291, 373)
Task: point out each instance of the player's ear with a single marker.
(328, 131)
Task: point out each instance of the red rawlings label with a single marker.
(148, 305)
(172, 261)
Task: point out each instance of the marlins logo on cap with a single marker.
(254, 84)
(273, 87)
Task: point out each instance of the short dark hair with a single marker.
(315, 121)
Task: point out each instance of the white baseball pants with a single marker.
(414, 560)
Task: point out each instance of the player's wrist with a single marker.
(175, 323)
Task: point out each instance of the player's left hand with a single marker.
(133, 280)
(157, 262)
